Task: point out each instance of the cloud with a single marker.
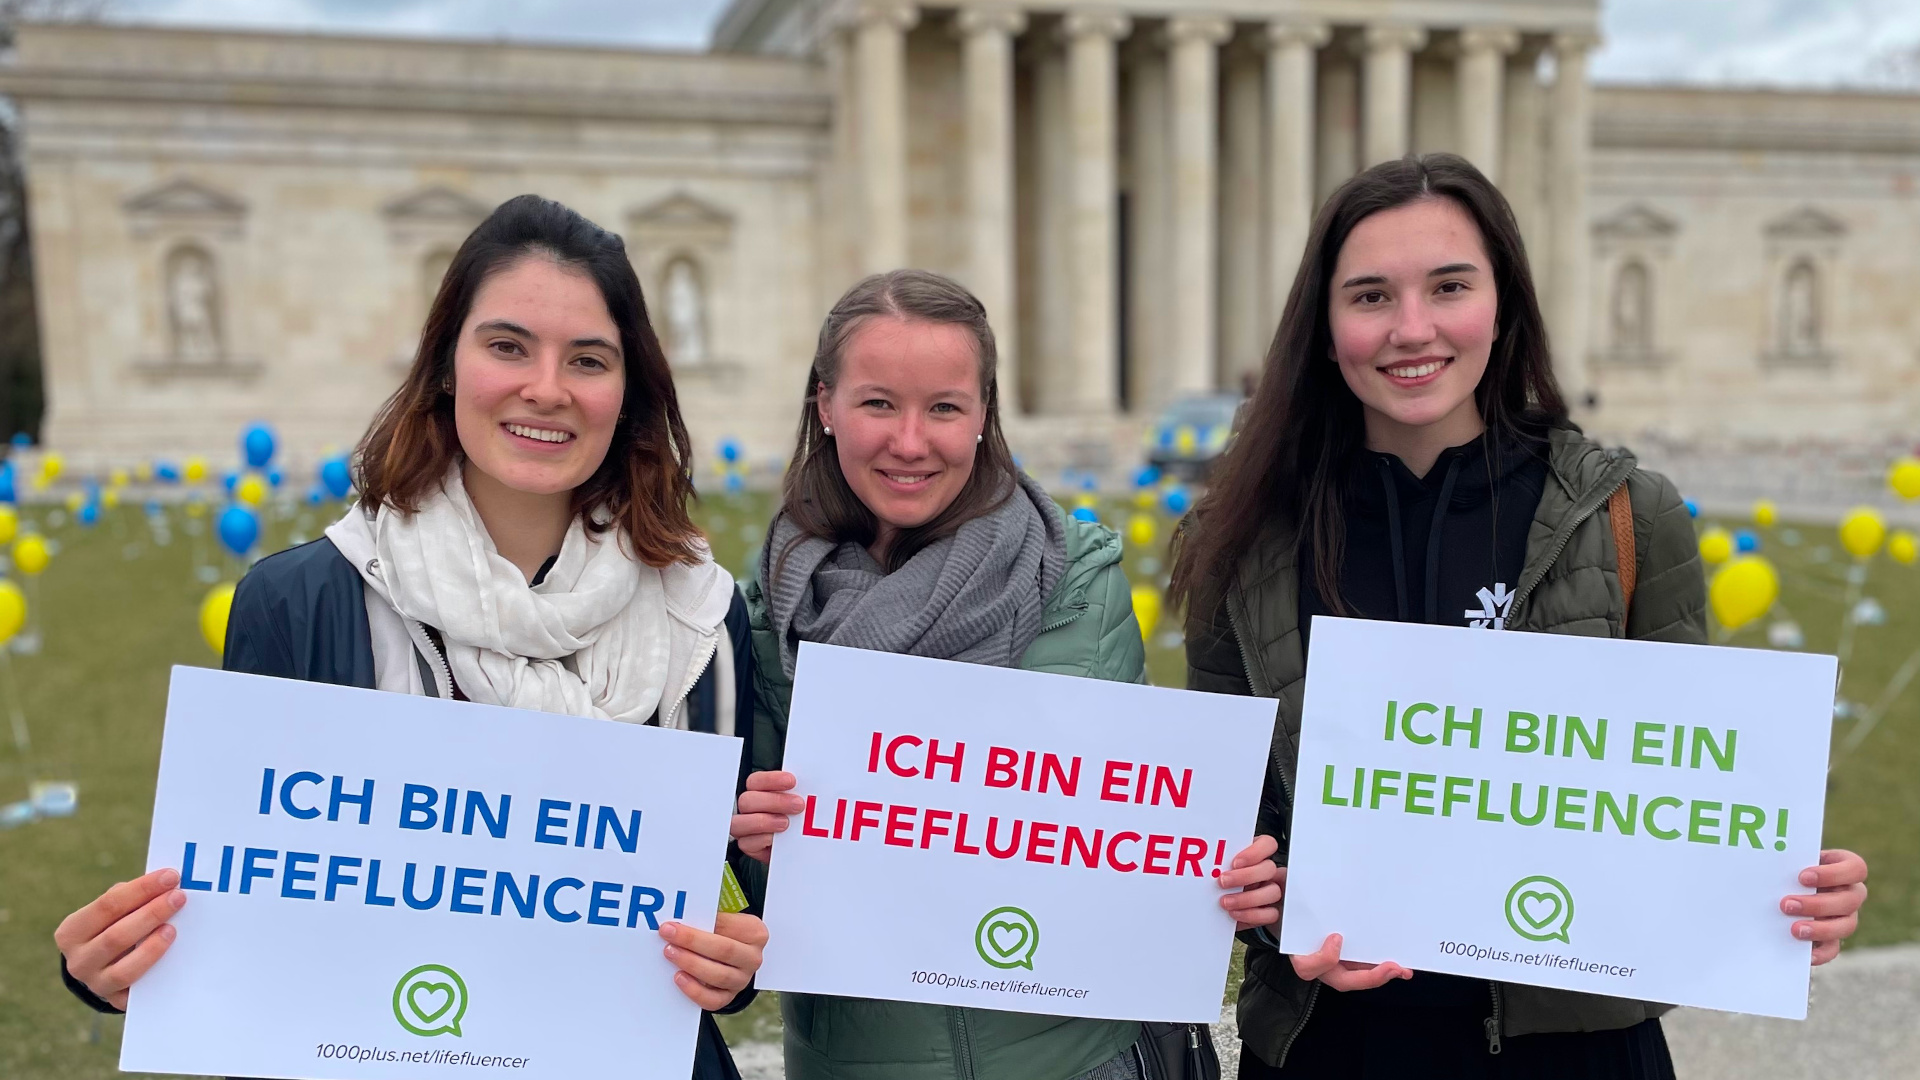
(683, 24)
(1761, 42)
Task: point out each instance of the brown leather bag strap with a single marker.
(1620, 513)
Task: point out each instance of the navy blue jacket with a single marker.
(302, 614)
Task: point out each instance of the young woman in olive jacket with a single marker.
(1408, 456)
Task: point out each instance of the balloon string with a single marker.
(1895, 687)
(18, 715)
(1855, 583)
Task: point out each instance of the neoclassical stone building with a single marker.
(231, 226)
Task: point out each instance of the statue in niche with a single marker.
(686, 314)
(193, 306)
(1800, 311)
(1633, 310)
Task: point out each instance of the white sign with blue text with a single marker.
(382, 885)
(1613, 817)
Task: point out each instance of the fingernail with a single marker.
(1808, 877)
(167, 931)
(781, 825)
(1791, 907)
(1804, 931)
(177, 898)
(671, 951)
(169, 878)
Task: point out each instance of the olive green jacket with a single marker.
(1570, 584)
(1088, 629)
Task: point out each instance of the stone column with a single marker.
(880, 28)
(1193, 42)
(1290, 111)
(1092, 87)
(1149, 175)
(1481, 72)
(987, 61)
(1570, 153)
(1242, 236)
(1390, 48)
(1520, 163)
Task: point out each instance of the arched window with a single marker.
(1633, 309)
(1800, 310)
(686, 310)
(193, 305)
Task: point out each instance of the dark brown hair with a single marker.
(643, 485)
(816, 497)
(1304, 426)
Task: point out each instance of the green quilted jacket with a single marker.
(1570, 585)
(1088, 630)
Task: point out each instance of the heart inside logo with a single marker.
(441, 992)
(1546, 904)
(1000, 933)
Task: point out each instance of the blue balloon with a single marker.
(257, 443)
(154, 509)
(7, 493)
(166, 473)
(1166, 438)
(1745, 541)
(274, 477)
(1693, 509)
(1177, 500)
(22, 440)
(316, 495)
(1148, 476)
(336, 477)
(231, 480)
(735, 483)
(88, 515)
(1085, 513)
(729, 450)
(239, 529)
(1089, 482)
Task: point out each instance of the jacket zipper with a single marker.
(1047, 628)
(1581, 513)
(1286, 789)
(962, 1043)
(439, 655)
(1493, 1022)
(666, 718)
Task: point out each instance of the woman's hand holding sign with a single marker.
(1261, 885)
(1834, 910)
(111, 942)
(763, 810)
(714, 967)
(1343, 975)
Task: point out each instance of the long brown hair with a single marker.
(816, 496)
(643, 485)
(1304, 426)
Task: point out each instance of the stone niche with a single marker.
(424, 230)
(1803, 267)
(1633, 255)
(682, 249)
(189, 240)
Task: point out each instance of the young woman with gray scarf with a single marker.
(906, 527)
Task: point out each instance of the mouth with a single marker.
(544, 436)
(905, 481)
(1414, 372)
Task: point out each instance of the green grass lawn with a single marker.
(116, 611)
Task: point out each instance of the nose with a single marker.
(545, 389)
(909, 441)
(1415, 324)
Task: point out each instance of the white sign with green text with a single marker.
(1615, 817)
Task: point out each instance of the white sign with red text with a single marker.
(1008, 839)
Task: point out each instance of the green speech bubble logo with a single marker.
(430, 1000)
(1540, 909)
(1007, 938)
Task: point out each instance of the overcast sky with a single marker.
(1768, 42)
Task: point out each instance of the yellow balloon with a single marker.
(213, 616)
(13, 610)
(75, 500)
(143, 472)
(1140, 530)
(1904, 478)
(1861, 531)
(1743, 590)
(1086, 501)
(195, 470)
(1716, 545)
(196, 508)
(30, 555)
(1765, 513)
(9, 523)
(1145, 500)
(1903, 547)
(1185, 439)
(117, 478)
(110, 499)
(1146, 608)
(50, 467)
(251, 490)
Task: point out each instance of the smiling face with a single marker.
(538, 379)
(907, 411)
(1413, 313)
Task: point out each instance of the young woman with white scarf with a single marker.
(521, 539)
(906, 527)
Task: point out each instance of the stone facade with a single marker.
(234, 226)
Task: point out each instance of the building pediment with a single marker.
(1636, 222)
(185, 198)
(1806, 223)
(437, 205)
(681, 211)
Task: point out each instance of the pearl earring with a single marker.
(978, 439)
(826, 430)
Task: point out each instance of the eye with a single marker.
(507, 347)
(592, 362)
(876, 403)
(1371, 296)
(1449, 288)
(946, 408)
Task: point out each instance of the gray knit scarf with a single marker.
(975, 596)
